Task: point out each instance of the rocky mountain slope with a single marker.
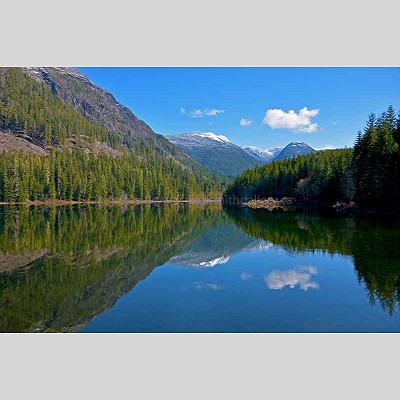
(100, 107)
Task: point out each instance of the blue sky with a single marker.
(251, 106)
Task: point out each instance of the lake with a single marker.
(195, 268)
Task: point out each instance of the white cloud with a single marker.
(206, 112)
(213, 112)
(309, 129)
(183, 110)
(298, 122)
(277, 280)
(197, 114)
(245, 122)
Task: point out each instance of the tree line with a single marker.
(369, 174)
(313, 176)
(85, 177)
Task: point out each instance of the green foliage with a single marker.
(313, 176)
(377, 162)
(80, 177)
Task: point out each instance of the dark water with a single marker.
(195, 268)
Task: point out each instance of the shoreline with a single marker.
(337, 209)
(106, 202)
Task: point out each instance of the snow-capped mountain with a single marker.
(264, 155)
(294, 149)
(198, 138)
(215, 152)
(220, 155)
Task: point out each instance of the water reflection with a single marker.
(216, 246)
(372, 244)
(61, 268)
(301, 277)
(244, 276)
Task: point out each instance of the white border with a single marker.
(199, 366)
(206, 33)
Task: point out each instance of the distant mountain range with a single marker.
(265, 156)
(220, 155)
(215, 152)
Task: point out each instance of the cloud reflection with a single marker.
(244, 276)
(207, 286)
(301, 277)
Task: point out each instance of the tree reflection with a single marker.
(372, 243)
(61, 266)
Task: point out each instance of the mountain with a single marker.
(294, 149)
(215, 152)
(64, 138)
(264, 156)
(100, 107)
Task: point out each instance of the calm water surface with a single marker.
(195, 268)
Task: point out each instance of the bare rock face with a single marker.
(10, 143)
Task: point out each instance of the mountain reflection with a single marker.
(216, 246)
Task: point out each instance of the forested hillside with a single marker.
(368, 175)
(314, 176)
(88, 155)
